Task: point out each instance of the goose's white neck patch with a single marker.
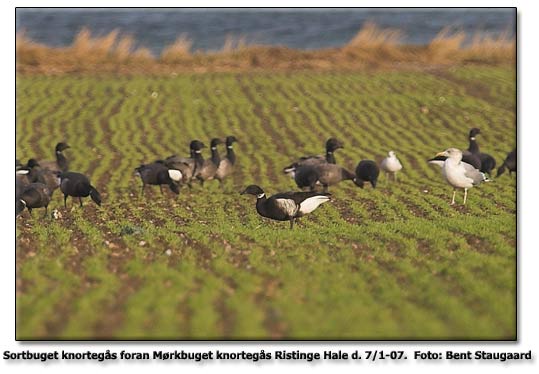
(198, 151)
(22, 172)
(330, 153)
(213, 148)
(229, 146)
(260, 196)
(23, 202)
(472, 138)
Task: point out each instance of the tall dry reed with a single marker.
(371, 36)
(177, 51)
(371, 47)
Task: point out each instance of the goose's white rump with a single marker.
(310, 204)
(175, 175)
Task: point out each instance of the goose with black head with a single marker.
(286, 206)
(226, 164)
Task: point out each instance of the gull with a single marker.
(391, 164)
(459, 174)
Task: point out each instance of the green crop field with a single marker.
(395, 262)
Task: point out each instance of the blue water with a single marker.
(295, 28)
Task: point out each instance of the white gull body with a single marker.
(459, 174)
(391, 164)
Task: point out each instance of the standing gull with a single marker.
(459, 174)
(391, 164)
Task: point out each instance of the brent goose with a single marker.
(43, 175)
(180, 169)
(196, 154)
(209, 167)
(32, 196)
(510, 163)
(391, 164)
(471, 155)
(286, 206)
(325, 174)
(34, 173)
(21, 180)
(487, 161)
(186, 165)
(77, 185)
(460, 174)
(366, 171)
(226, 165)
(158, 174)
(61, 163)
(18, 164)
(332, 145)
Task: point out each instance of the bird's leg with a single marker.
(291, 223)
(46, 211)
(161, 189)
(142, 190)
(326, 187)
(30, 211)
(453, 200)
(80, 201)
(65, 201)
(465, 195)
